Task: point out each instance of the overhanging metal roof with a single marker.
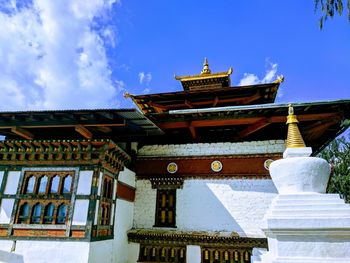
(75, 124)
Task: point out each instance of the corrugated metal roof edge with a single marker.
(72, 110)
(257, 106)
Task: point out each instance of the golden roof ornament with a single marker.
(280, 79)
(127, 95)
(205, 69)
(294, 138)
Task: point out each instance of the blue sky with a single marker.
(78, 54)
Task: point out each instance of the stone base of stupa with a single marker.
(306, 227)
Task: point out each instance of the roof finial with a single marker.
(205, 69)
(294, 138)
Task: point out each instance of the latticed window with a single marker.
(45, 197)
(36, 214)
(23, 213)
(30, 184)
(55, 183)
(61, 214)
(67, 184)
(156, 253)
(106, 200)
(48, 213)
(220, 255)
(42, 184)
(166, 208)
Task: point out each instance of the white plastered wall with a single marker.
(124, 222)
(211, 205)
(213, 149)
(118, 250)
(145, 204)
(43, 251)
(127, 176)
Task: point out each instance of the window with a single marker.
(36, 214)
(156, 253)
(55, 183)
(23, 213)
(106, 200)
(67, 184)
(48, 213)
(221, 255)
(166, 208)
(45, 197)
(30, 185)
(42, 185)
(61, 214)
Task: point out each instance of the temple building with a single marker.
(182, 178)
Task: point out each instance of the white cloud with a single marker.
(146, 90)
(250, 79)
(53, 57)
(145, 78)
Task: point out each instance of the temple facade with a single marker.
(183, 178)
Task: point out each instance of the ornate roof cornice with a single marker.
(57, 152)
(177, 237)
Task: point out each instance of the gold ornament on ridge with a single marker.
(205, 69)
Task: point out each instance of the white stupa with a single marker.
(303, 223)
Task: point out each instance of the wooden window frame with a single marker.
(165, 209)
(44, 199)
(106, 201)
(162, 253)
(217, 255)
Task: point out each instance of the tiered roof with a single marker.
(206, 90)
(207, 110)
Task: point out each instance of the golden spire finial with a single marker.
(294, 138)
(280, 79)
(205, 69)
(127, 95)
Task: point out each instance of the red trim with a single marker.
(125, 192)
(190, 167)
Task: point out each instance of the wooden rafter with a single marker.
(317, 129)
(192, 130)
(83, 131)
(250, 99)
(23, 133)
(216, 100)
(186, 103)
(263, 122)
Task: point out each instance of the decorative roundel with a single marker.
(267, 164)
(172, 168)
(216, 166)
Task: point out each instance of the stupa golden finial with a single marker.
(294, 138)
(205, 69)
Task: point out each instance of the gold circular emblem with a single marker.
(267, 164)
(216, 166)
(172, 168)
